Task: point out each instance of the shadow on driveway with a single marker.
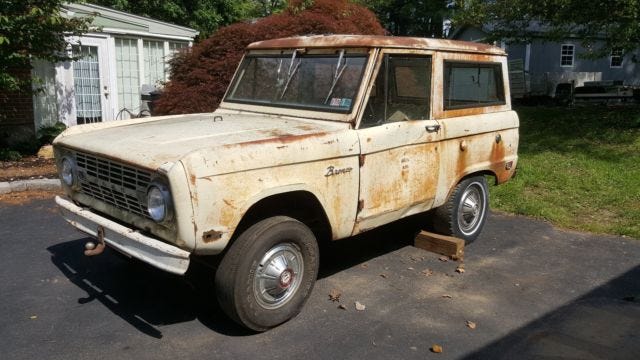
(603, 324)
(146, 297)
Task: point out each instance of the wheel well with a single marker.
(300, 205)
(483, 173)
(477, 173)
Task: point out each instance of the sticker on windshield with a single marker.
(340, 102)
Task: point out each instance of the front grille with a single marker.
(120, 185)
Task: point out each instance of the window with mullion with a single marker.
(567, 53)
(153, 62)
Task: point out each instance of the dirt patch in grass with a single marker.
(24, 197)
(28, 168)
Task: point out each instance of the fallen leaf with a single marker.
(410, 268)
(365, 265)
(460, 269)
(360, 306)
(447, 296)
(471, 325)
(427, 272)
(342, 307)
(436, 348)
(443, 258)
(384, 276)
(334, 295)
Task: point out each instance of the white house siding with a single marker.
(131, 51)
(546, 71)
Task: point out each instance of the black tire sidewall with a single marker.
(258, 241)
(457, 202)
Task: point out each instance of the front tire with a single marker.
(268, 273)
(465, 212)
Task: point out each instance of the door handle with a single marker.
(432, 128)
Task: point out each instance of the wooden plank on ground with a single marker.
(440, 244)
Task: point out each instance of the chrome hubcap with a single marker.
(472, 209)
(278, 275)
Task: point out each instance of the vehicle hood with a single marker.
(152, 142)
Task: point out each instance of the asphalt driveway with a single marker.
(530, 290)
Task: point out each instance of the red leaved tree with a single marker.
(199, 77)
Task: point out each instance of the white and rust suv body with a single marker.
(319, 137)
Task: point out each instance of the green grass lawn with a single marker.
(578, 168)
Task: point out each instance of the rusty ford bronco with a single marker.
(317, 138)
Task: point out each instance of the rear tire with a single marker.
(465, 212)
(268, 273)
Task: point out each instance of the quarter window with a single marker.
(566, 55)
(472, 85)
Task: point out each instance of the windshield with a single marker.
(314, 82)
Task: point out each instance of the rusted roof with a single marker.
(330, 41)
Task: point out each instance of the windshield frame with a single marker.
(317, 112)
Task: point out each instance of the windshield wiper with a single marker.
(293, 69)
(336, 75)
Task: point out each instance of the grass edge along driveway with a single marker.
(578, 168)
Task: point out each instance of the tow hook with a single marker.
(91, 249)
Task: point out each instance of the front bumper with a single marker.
(126, 240)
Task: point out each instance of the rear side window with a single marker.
(472, 85)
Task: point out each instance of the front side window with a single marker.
(472, 85)
(327, 82)
(401, 91)
(566, 55)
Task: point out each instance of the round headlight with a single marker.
(157, 203)
(68, 171)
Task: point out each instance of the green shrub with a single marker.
(46, 134)
(9, 155)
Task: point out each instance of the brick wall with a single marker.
(16, 113)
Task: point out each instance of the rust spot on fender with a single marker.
(211, 236)
(193, 179)
(497, 152)
(306, 127)
(278, 139)
(229, 203)
(497, 162)
(461, 163)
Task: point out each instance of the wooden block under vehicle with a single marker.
(440, 244)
